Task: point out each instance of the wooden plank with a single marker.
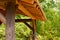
(25, 11)
(28, 1)
(10, 21)
(23, 20)
(20, 12)
(31, 5)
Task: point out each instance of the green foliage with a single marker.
(51, 27)
(22, 31)
(2, 32)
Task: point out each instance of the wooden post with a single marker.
(34, 29)
(10, 20)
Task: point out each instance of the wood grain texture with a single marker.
(28, 1)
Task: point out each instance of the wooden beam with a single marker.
(29, 26)
(10, 20)
(23, 20)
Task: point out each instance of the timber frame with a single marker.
(33, 27)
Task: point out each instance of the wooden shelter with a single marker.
(30, 8)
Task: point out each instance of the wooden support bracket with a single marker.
(28, 25)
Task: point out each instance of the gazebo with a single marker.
(30, 8)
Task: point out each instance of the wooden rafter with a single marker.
(29, 8)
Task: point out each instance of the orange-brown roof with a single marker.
(29, 8)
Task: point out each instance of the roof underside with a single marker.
(29, 8)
